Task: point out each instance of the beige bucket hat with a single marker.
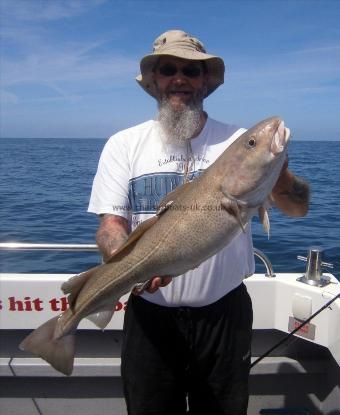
(181, 45)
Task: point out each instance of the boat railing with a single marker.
(27, 246)
(269, 267)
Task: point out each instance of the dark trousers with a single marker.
(186, 359)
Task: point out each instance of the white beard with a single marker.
(178, 126)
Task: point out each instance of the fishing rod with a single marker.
(299, 327)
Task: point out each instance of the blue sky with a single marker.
(68, 66)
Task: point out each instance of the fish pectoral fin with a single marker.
(132, 239)
(58, 352)
(74, 285)
(102, 317)
(232, 207)
(264, 219)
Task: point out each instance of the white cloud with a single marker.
(32, 56)
(8, 97)
(72, 64)
(285, 75)
(40, 10)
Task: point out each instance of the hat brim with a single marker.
(214, 64)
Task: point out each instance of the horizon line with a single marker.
(106, 138)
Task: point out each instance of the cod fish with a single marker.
(192, 223)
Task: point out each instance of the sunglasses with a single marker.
(190, 71)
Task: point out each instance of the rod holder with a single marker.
(314, 275)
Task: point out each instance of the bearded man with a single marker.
(186, 344)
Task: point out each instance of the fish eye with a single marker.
(251, 143)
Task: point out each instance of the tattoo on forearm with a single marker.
(108, 242)
(300, 191)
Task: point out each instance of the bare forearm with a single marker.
(291, 195)
(111, 234)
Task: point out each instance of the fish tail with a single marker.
(57, 351)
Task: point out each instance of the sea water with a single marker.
(46, 183)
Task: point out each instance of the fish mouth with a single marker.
(280, 139)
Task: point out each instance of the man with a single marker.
(186, 343)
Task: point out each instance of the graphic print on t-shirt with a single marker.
(147, 191)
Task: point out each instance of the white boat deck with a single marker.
(303, 373)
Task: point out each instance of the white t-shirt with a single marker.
(136, 170)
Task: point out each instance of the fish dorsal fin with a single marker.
(174, 195)
(132, 239)
(74, 285)
(164, 205)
